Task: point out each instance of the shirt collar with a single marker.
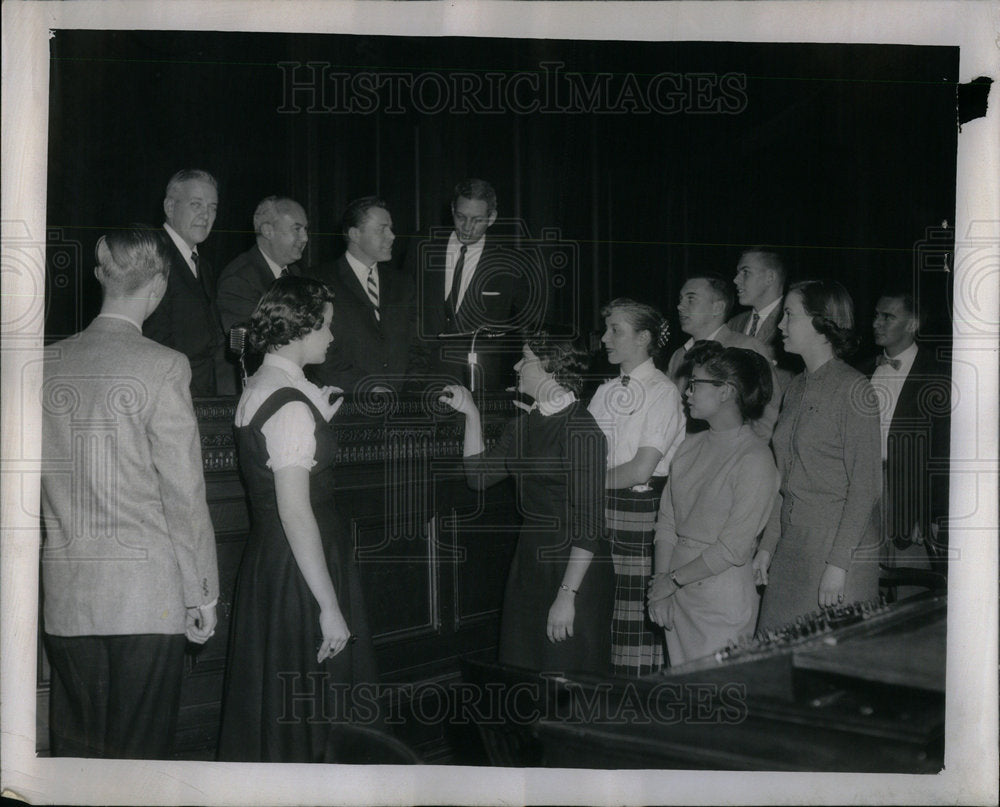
(710, 338)
(359, 268)
(275, 269)
(181, 244)
(287, 366)
(765, 312)
(644, 370)
(123, 318)
(471, 250)
(547, 408)
(905, 358)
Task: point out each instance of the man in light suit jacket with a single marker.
(188, 319)
(470, 279)
(914, 393)
(375, 345)
(128, 559)
(760, 283)
(282, 232)
(705, 300)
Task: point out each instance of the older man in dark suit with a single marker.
(188, 319)
(470, 280)
(914, 392)
(375, 345)
(282, 232)
(128, 559)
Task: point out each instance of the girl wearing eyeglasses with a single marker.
(721, 489)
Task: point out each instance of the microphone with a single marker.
(238, 345)
(489, 332)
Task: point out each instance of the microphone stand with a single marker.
(488, 332)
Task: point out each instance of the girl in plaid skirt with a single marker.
(641, 414)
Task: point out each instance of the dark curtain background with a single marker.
(843, 156)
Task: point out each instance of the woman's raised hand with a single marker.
(458, 398)
(336, 634)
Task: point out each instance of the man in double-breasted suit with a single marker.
(128, 558)
(471, 280)
(187, 319)
(705, 300)
(282, 232)
(375, 345)
(914, 392)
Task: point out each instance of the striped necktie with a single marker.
(754, 323)
(372, 288)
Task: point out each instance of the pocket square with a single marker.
(490, 293)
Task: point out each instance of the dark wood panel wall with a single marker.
(841, 155)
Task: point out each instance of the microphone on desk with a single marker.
(238, 345)
(487, 332)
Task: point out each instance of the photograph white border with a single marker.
(971, 706)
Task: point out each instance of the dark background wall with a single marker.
(841, 155)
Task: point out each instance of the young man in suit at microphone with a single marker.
(474, 283)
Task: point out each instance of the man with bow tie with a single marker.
(913, 388)
(188, 320)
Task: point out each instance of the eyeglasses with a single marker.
(713, 381)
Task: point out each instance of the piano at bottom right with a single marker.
(859, 687)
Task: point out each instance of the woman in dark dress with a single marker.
(298, 621)
(560, 589)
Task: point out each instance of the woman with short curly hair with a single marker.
(298, 609)
(820, 546)
(557, 601)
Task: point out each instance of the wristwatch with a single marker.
(673, 579)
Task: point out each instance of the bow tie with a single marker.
(895, 364)
(625, 379)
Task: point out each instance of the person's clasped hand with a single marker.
(330, 400)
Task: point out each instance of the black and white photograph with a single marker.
(505, 402)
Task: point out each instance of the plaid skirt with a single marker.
(637, 644)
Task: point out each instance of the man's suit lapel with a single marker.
(182, 272)
(265, 277)
(349, 280)
(767, 329)
(908, 406)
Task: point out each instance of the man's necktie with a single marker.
(895, 364)
(625, 379)
(456, 281)
(284, 272)
(754, 323)
(372, 287)
(199, 274)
